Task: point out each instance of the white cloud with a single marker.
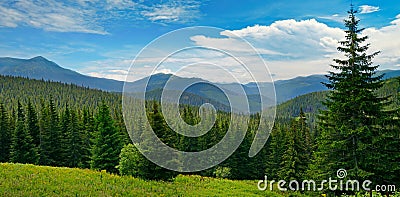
(108, 68)
(120, 4)
(108, 75)
(366, 9)
(229, 44)
(386, 40)
(172, 12)
(334, 17)
(286, 39)
(307, 47)
(50, 15)
(91, 16)
(118, 69)
(9, 17)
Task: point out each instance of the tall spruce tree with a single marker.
(306, 144)
(65, 120)
(88, 127)
(351, 122)
(32, 124)
(73, 138)
(5, 135)
(276, 147)
(50, 136)
(163, 132)
(22, 148)
(290, 165)
(75, 142)
(120, 126)
(296, 158)
(107, 143)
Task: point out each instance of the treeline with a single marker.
(66, 117)
(68, 138)
(93, 138)
(14, 89)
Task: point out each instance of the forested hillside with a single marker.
(56, 124)
(13, 89)
(51, 123)
(312, 103)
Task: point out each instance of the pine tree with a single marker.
(290, 158)
(22, 148)
(164, 133)
(240, 164)
(146, 169)
(305, 142)
(107, 143)
(188, 144)
(32, 124)
(65, 120)
(120, 126)
(296, 158)
(50, 136)
(88, 128)
(5, 135)
(276, 147)
(350, 123)
(74, 142)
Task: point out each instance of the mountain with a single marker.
(41, 68)
(292, 88)
(288, 89)
(210, 92)
(186, 98)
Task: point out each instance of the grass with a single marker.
(31, 180)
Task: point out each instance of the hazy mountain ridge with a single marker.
(41, 68)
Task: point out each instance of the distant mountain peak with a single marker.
(39, 58)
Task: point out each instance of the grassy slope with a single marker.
(30, 180)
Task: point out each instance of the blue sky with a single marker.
(100, 38)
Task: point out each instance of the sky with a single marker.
(102, 38)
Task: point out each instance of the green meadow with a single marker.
(31, 180)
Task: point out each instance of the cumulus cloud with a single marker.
(286, 39)
(366, 9)
(385, 39)
(292, 48)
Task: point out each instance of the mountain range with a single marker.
(42, 68)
